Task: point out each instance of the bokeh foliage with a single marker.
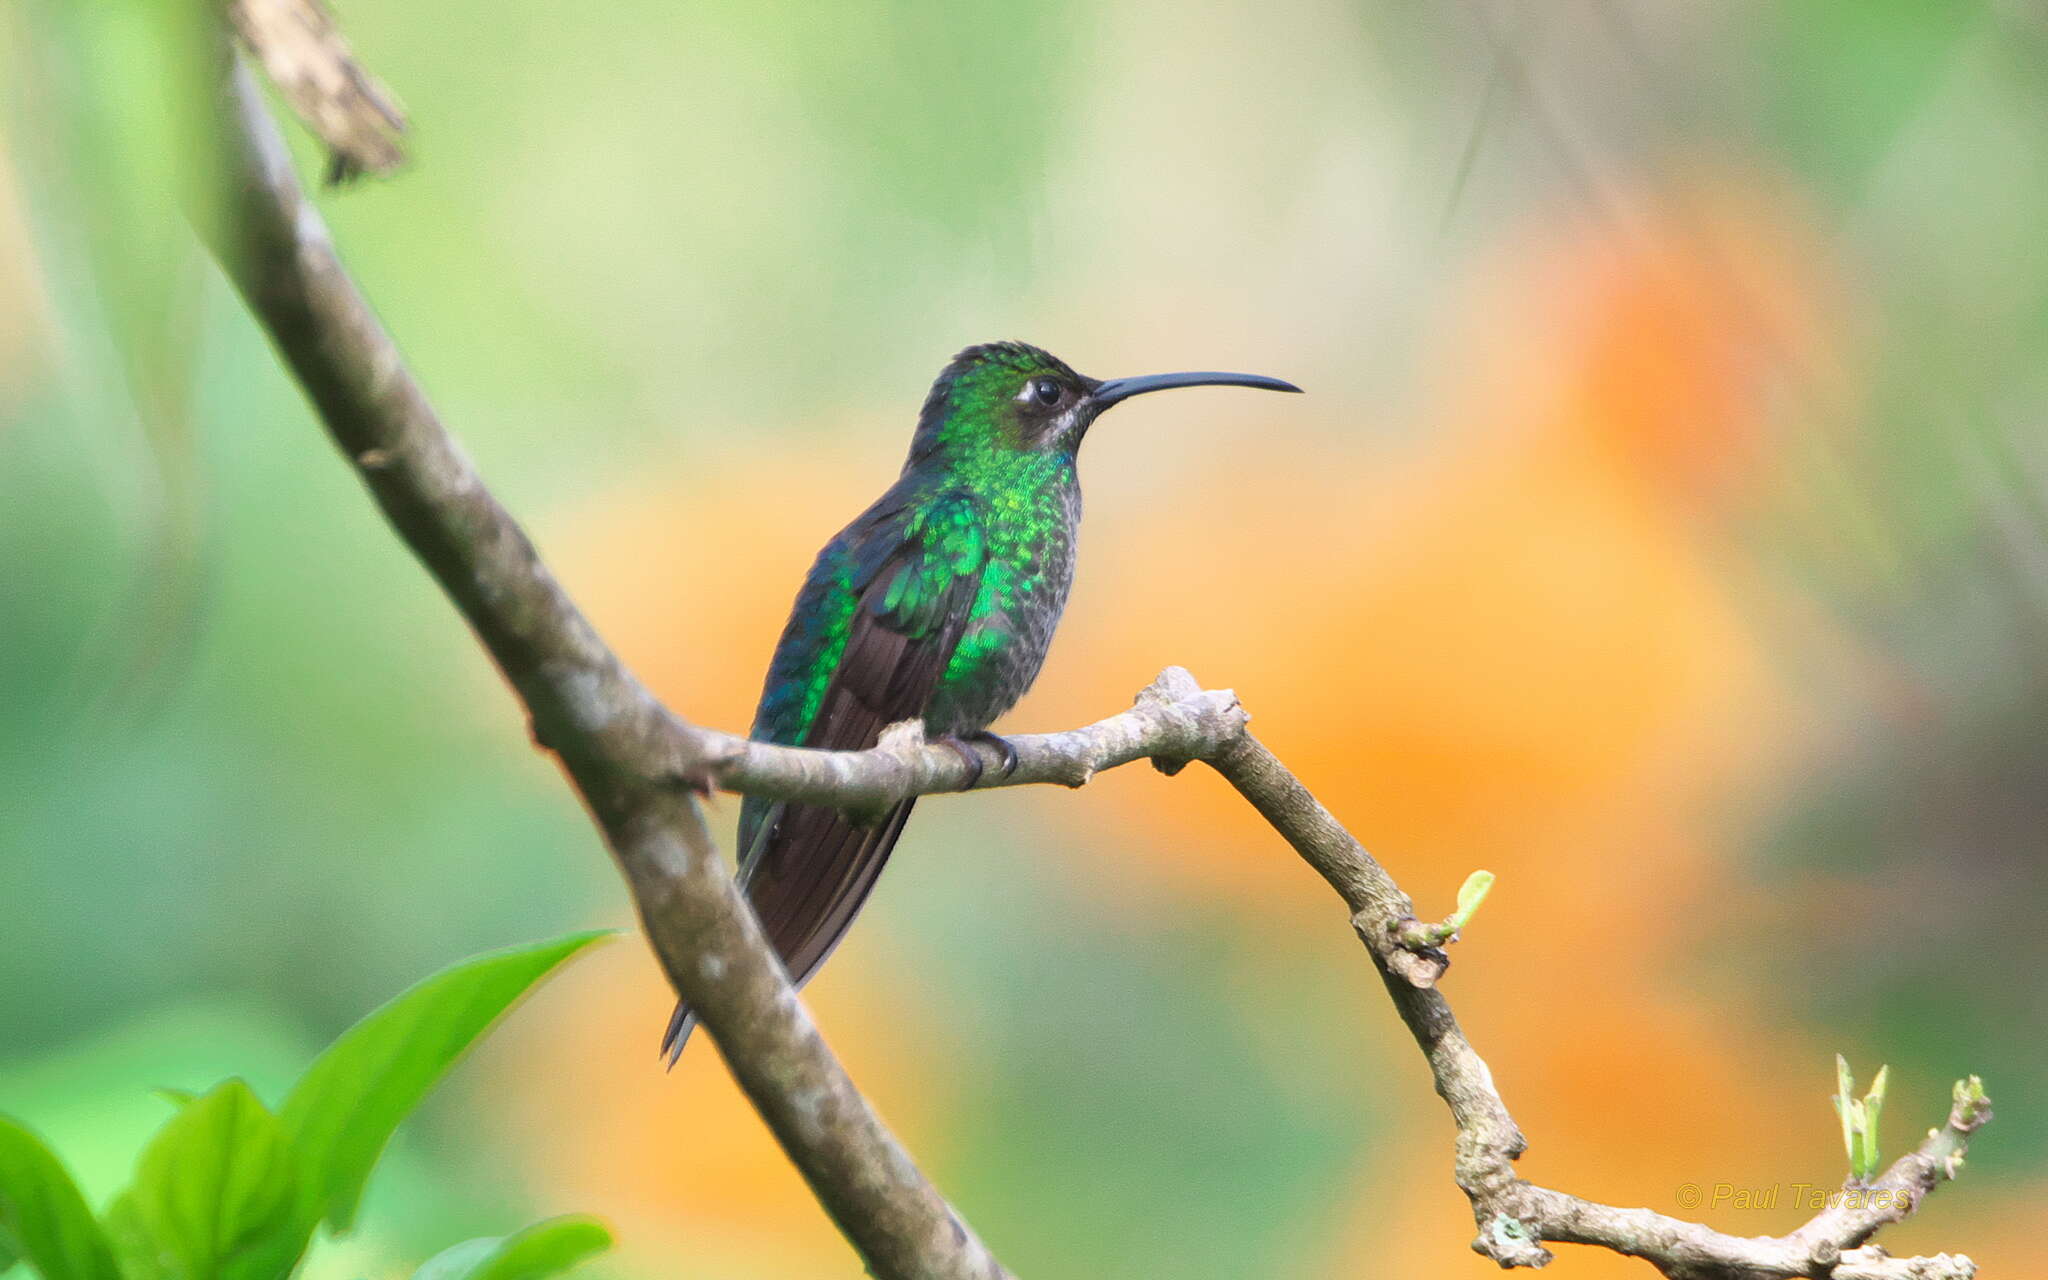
(228, 1189)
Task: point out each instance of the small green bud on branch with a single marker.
(1415, 935)
(1859, 1118)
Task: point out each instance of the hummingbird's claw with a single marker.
(963, 745)
(1003, 749)
(968, 756)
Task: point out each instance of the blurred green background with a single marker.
(1666, 530)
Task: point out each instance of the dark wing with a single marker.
(808, 869)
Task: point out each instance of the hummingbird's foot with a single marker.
(963, 745)
(968, 756)
(1004, 750)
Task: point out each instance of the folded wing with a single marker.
(808, 869)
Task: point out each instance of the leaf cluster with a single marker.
(230, 1189)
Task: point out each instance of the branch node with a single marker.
(699, 766)
(1417, 964)
(1173, 684)
(904, 735)
(1510, 1243)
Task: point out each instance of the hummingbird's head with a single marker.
(1016, 397)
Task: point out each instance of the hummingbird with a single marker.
(937, 603)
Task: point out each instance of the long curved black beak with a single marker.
(1108, 393)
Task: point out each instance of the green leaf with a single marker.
(1845, 1107)
(459, 1260)
(137, 1254)
(216, 1194)
(44, 1221)
(1470, 895)
(543, 1249)
(343, 1110)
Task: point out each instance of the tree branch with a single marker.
(1516, 1217)
(304, 55)
(636, 766)
(617, 744)
(1171, 722)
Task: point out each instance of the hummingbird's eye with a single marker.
(1045, 391)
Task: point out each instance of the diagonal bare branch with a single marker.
(614, 740)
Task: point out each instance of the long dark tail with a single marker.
(809, 880)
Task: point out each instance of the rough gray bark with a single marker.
(638, 767)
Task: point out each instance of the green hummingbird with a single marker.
(937, 603)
